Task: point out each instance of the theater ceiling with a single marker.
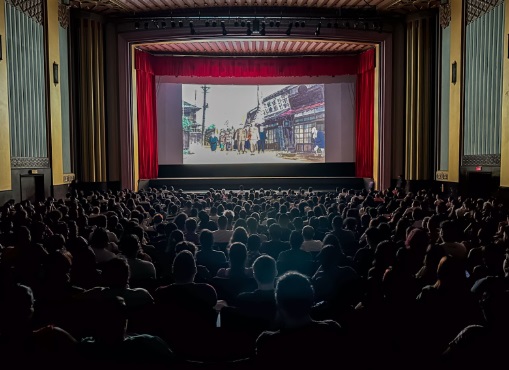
(250, 47)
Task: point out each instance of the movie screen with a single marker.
(226, 124)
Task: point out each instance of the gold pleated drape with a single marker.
(419, 83)
(91, 118)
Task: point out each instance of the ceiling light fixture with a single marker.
(289, 29)
(318, 27)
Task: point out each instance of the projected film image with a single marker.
(226, 124)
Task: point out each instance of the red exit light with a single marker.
(478, 168)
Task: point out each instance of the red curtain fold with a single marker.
(147, 125)
(246, 67)
(364, 114)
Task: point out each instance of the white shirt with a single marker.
(312, 246)
(455, 249)
(140, 269)
(222, 236)
(103, 255)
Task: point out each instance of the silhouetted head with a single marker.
(294, 296)
(264, 269)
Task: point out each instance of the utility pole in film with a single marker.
(205, 88)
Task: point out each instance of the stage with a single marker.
(202, 184)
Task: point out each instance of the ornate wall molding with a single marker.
(32, 8)
(442, 175)
(63, 15)
(69, 177)
(445, 15)
(477, 8)
(29, 162)
(481, 160)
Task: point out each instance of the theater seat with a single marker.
(228, 289)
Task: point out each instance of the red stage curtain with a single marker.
(246, 67)
(364, 114)
(147, 125)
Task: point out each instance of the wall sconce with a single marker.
(454, 72)
(55, 73)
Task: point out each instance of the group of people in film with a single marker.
(245, 138)
(252, 138)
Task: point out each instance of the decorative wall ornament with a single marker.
(32, 8)
(146, 6)
(68, 178)
(103, 6)
(445, 14)
(477, 8)
(29, 162)
(442, 175)
(481, 160)
(63, 15)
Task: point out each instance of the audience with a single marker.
(140, 270)
(301, 341)
(238, 260)
(295, 259)
(368, 279)
(309, 244)
(213, 260)
(260, 304)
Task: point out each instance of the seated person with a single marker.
(274, 246)
(253, 249)
(190, 234)
(22, 347)
(110, 345)
(310, 245)
(238, 259)
(185, 291)
(295, 259)
(222, 236)
(100, 244)
(260, 305)
(184, 311)
(140, 270)
(206, 256)
(301, 341)
(115, 283)
(333, 283)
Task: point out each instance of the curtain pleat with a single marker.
(147, 125)
(364, 115)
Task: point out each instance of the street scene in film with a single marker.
(225, 124)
